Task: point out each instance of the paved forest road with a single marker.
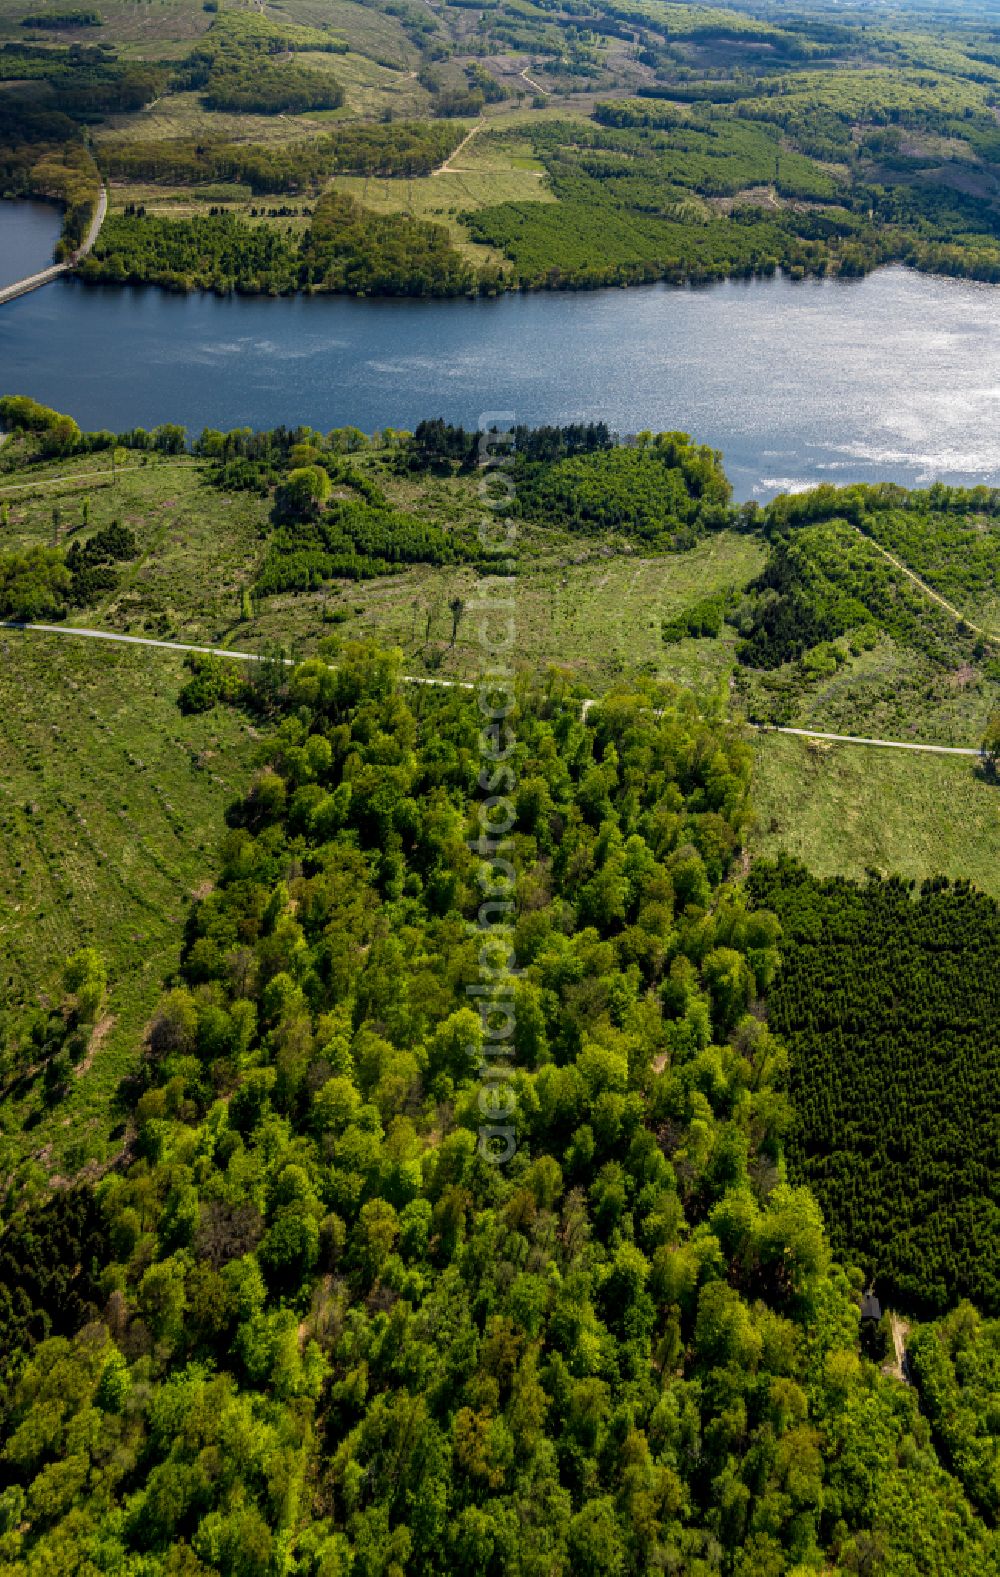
(448, 684)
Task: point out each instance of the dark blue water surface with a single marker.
(28, 234)
(896, 376)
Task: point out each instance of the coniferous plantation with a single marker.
(887, 1002)
(334, 1299)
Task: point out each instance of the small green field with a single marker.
(445, 196)
(111, 810)
(842, 809)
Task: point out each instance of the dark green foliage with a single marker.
(42, 583)
(438, 443)
(244, 476)
(51, 1259)
(956, 1364)
(354, 540)
(824, 580)
(213, 680)
(198, 253)
(831, 591)
(950, 537)
(703, 618)
(261, 88)
(235, 67)
(61, 19)
(88, 81)
(709, 155)
(665, 491)
(484, 82)
(404, 148)
(91, 563)
(889, 1003)
(348, 248)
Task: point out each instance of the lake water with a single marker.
(28, 234)
(895, 376)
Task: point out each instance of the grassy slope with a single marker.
(198, 547)
(579, 606)
(843, 808)
(891, 693)
(111, 807)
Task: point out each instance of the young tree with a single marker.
(457, 606)
(85, 980)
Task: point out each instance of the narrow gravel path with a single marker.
(448, 684)
(855, 739)
(445, 168)
(929, 591)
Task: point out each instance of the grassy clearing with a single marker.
(198, 548)
(437, 196)
(595, 615)
(444, 197)
(182, 115)
(371, 88)
(580, 604)
(369, 91)
(372, 32)
(159, 29)
(845, 808)
(892, 693)
(181, 202)
(111, 808)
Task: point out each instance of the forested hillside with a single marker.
(324, 1332)
(480, 1203)
(601, 143)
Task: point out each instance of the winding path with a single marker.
(448, 684)
(533, 84)
(21, 287)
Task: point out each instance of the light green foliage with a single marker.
(85, 978)
(342, 1331)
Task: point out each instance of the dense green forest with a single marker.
(887, 1002)
(345, 248)
(664, 491)
(310, 1326)
(402, 149)
(502, 1201)
(234, 68)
